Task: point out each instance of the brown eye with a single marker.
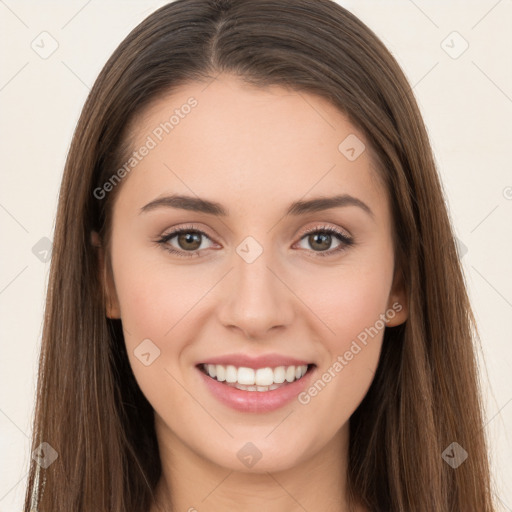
(187, 244)
(189, 241)
(321, 239)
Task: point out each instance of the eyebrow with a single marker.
(197, 204)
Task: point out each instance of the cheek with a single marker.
(350, 301)
(155, 296)
(146, 304)
(351, 354)
(353, 307)
(159, 302)
(156, 305)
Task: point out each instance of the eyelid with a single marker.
(326, 227)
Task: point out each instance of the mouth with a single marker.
(255, 379)
(259, 390)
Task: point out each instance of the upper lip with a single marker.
(263, 361)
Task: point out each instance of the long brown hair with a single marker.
(425, 394)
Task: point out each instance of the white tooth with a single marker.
(274, 386)
(262, 388)
(245, 376)
(221, 373)
(279, 374)
(290, 373)
(251, 388)
(231, 373)
(264, 376)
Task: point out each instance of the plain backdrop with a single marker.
(457, 56)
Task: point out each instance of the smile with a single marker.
(260, 390)
(250, 379)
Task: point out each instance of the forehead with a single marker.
(231, 140)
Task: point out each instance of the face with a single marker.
(244, 285)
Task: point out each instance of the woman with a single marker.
(254, 369)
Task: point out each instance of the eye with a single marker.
(319, 238)
(189, 240)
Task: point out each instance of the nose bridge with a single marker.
(254, 281)
(257, 299)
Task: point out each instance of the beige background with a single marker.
(467, 106)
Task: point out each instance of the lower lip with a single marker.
(256, 401)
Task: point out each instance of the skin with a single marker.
(254, 151)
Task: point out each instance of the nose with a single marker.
(257, 299)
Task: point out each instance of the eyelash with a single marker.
(346, 241)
